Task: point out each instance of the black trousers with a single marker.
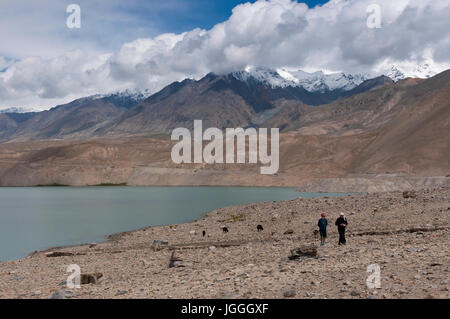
(341, 236)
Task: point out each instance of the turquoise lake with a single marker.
(36, 218)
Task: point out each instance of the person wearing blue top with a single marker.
(323, 223)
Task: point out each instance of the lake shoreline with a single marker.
(116, 236)
(245, 263)
(112, 202)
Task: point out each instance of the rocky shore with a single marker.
(406, 235)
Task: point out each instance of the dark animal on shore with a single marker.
(225, 229)
(259, 228)
(203, 233)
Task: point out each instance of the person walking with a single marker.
(323, 223)
(341, 223)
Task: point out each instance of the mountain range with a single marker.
(243, 98)
(361, 127)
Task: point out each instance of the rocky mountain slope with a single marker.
(396, 129)
(241, 98)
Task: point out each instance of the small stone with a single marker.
(354, 293)
(61, 294)
(121, 292)
(290, 293)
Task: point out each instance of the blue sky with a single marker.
(207, 13)
(132, 19)
(38, 27)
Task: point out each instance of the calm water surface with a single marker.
(35, 218)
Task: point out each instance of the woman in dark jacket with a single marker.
(341, 223)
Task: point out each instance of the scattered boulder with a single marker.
(93, 278)
(175, 261)
(303, 251)
(409, 194)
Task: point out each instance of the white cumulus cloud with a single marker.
(273, 33)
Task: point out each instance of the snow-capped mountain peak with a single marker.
(133, 94)
(395, 74)
(410, 69)
(313, 82)
(321, 82)
(263, 75)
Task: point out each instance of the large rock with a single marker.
(303, 251)
(175, 261)
(90, 278)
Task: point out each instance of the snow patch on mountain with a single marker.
(132, 94)
(18, 110)
(263, 75)
(313, 82)
(321, 82)
(415, 68)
